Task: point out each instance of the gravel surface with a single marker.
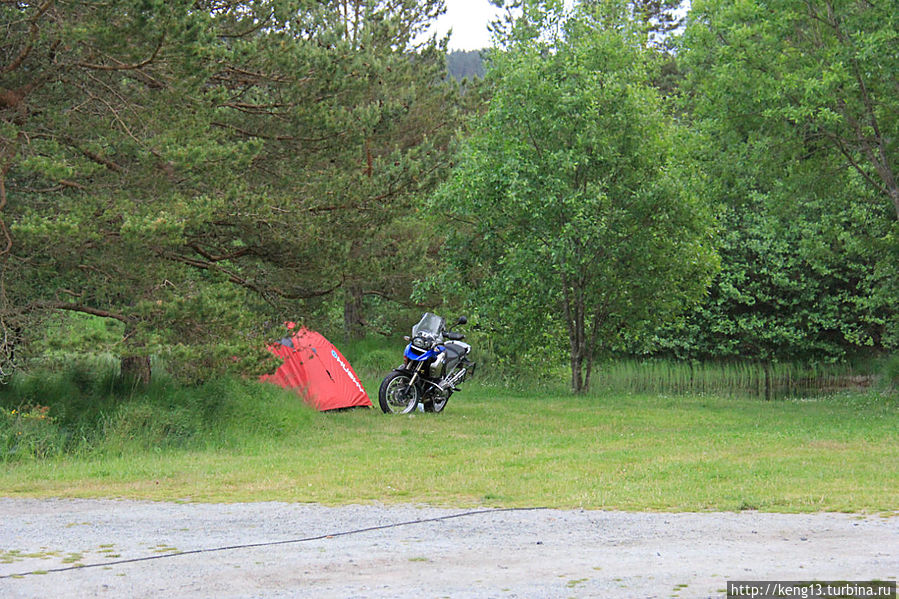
(301, 550)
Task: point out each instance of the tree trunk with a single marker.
(588, 371)
(577, 381)
(894, 195)
(136, 369)
(353, 308)
(8, 340)
(599, 316)
(133, 367)
(353, 319)
(574, 319)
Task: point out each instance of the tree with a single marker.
(797, 282)
(780, 96)
(465, 64)
(821, 71)
(577, 209)
(100, 176)
(354, 118)
(194, 169)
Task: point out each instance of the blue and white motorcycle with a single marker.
(434, 363)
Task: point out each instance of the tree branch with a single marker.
(101, 160)
(207, 265)
(845, 152)
(4, 169)
(33, 30)
(213, 258)
(309, 294)
(83, 309)
(120, 66)
(276, 137)
(264, 292)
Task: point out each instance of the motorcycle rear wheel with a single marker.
(438, 402)
(396, 395)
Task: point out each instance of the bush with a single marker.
(373, 356)
(891, 372)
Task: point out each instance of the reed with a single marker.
(373, 358)
(765, 380)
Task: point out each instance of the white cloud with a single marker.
(468, 20)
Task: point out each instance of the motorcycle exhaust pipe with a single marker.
(450, 382)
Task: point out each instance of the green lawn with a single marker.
(677, 453)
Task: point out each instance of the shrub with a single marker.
(891, 372)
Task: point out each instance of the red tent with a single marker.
(314, 367)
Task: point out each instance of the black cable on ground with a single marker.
(272, 543)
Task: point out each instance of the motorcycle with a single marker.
(434, 363)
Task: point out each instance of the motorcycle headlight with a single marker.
(422, 343)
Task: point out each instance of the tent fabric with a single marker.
(318, 371)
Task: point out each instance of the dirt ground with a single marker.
(106, 548)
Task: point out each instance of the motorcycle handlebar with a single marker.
(453, 336)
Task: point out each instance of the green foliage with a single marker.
(28, 432)
(355, 127)
(68, 337)
(106, 181)
(86, 409)
(891, 372)
(788, 104)
(796, 283)
(195, 175)
(818, 74)
(373, 357)
(579, 212)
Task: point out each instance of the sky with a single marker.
(468, 20)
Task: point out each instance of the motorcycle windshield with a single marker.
(430, 324)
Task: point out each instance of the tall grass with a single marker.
(774, 380)
(88, 408)
(83, 431)
(372, 358)
(890, 370)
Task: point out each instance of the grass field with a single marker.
(499, 448)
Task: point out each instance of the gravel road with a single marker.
(301, 550)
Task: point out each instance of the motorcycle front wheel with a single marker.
(396, 395)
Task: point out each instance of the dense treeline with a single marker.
(465, 64)
(797, 108)
(618, 182)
